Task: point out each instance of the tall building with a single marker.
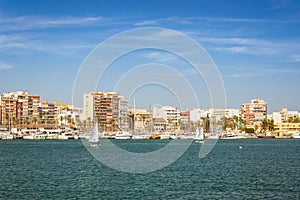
(141, 119)
(170, 114)
(18, 108)
(103, 107)
(123, 119)
(185, 119)
(48, 112)
(254, 113)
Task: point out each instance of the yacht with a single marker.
(164, 135)
(141, 136)
(5, 135)
(28, 137)
(296, 135)
(234, 136)
(41, 136)
(123, 135)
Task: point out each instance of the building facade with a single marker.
(170, 114)
(254, 113)
(286, 128)
(18, 108)
(103, 107)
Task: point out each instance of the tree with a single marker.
(206, 123)
(170, 121)
(61, 120)
(112, 123)
(34, 120)
(178, 124)
(143, 117)
(296, 120)
(270, 125)
(264, 125)
(249, 130)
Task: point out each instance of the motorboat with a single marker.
(296, 135)
(233, 137)
(155, 136)
(123, 135)
(40, 136)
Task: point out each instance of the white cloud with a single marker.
(37, 22)
(161, 56)
(146, 22)
(246, 75)
(295, 58)
(4, 66)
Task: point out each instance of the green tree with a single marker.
(270, 124)
(249, 130)
(296, 120)
(170, 121)
(264, 125)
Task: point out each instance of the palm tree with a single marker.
(264, 125)
(34, 120)
(206, 123)
(61, 120)
(178, 124)
(170, 121)
(270, 124)
(143, 117)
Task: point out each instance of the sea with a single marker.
(234, 169)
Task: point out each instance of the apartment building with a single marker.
(254, 113)
(18, 108)
(287, 128)
(141, 119)
(170, 114)
(103, 107)
(124, 118)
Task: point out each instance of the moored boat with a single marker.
(296, 135)
(199, 137)
(123, 135)
(266, 136)
(233, 137)
(155, 136)
(94, 137)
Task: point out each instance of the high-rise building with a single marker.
(254, 113)
(124, 118)
(18, 108)
(170, 114)
(48, 112)
(103, 107)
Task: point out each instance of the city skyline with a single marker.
(255, 46)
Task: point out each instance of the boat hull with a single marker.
(266, 136)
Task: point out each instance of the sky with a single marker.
(255, 46)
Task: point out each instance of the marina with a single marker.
(63, 169)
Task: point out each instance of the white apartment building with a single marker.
(123, 118)
(170, 114)
(254, 113)
(196, 114)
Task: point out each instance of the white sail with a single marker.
(94, 138)
(199, 134)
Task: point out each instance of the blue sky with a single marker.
(255, 45)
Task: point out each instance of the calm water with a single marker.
(262, 169)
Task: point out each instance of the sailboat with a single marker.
(94, 138)
(199, 138)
